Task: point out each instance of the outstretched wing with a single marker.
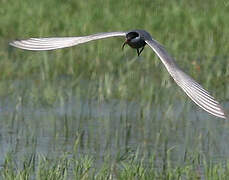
(194, 90)
(43, 44)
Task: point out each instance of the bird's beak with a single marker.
(124, 44)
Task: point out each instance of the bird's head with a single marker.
(131, 38)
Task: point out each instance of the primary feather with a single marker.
(194, 90)
(44, 44)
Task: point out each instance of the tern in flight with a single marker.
(136, 39)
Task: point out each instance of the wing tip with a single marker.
(12, 43)
(225, 115)
(21, 44)
(15, 43)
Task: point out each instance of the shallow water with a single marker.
(113, 127)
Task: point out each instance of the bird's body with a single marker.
(136, 39)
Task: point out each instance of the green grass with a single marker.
(192, 32)
(97, 112)
(84, 167)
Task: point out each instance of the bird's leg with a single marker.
(139, 52)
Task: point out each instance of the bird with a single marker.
(136, 39)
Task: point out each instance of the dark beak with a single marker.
(126, 42)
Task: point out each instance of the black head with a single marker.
(132, 35)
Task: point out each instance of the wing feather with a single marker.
(43, 44)
(194, 90)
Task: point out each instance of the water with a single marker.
(113, 127)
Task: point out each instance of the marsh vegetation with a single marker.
(96, 112)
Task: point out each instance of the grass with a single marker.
(96, 112)
(84, 167)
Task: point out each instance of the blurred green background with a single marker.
(106, 99)
(193, 32)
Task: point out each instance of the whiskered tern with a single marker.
(136, 39)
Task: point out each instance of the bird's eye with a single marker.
(132, 35)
